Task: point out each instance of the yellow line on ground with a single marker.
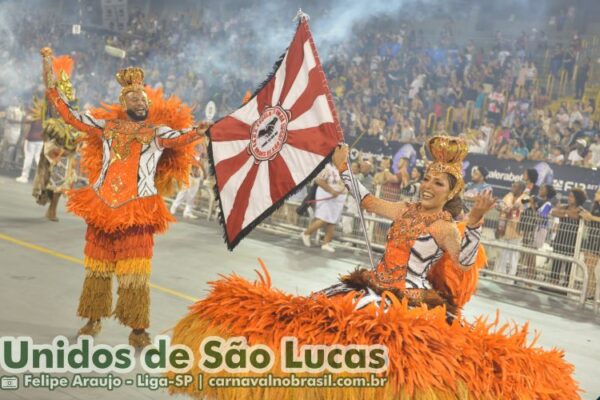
(79, 261)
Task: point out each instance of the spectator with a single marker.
(537, 153)
(477, 143)
(510, 212)
(365, 175)
(407, 134)
(392, 184)
(544, 206)
(591, 244)
(533, 225)
(32, 146)
(530, 176)
(581, 79)
(566, 235)
(577, 155)
(594, 160)
(411, 189)
(478, 184)
(556, 156)
(12, 130)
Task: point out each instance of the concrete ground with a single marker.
(40, 262)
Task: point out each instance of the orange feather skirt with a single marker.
(427, 357)
(145, 211)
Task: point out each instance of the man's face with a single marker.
(136, 104)
(365, 168)
(516, 189)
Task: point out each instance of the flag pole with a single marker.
(302, 16)
(354, 188)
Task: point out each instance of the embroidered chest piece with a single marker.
(123, 133)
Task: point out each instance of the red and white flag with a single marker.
(276, 142)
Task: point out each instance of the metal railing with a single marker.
(533, 248)
(540, 283)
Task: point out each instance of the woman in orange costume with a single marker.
(410, 303)
(133, 153)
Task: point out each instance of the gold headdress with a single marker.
(62, 67)
(131, 79)
(448, 154)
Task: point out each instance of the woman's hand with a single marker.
(484, 202)
(340, 157)
(586, 215)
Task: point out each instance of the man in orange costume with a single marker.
(122, 206)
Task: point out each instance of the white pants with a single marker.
(508, 260)
(187, 195)
(32, 151)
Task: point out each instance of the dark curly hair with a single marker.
(550, 192)
(580, 196)
(455, 205)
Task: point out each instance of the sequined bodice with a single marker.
(410, 249)
(129, 162)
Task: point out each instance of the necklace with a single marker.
(413, 223)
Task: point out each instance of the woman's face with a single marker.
(434, 190)
(415, 175)
(571, 200)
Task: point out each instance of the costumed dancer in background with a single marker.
(56, 172)
(133, 153)
(428, 272)
(189, 194)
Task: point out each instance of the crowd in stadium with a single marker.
(392, 82)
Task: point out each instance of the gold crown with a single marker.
(131, 76)
(448, 154)
(448, 149)
(131, 79)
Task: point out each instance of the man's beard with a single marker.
(137, 117)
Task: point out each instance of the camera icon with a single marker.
(9, 383)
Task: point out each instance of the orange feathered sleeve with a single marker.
(80, 122)
(449, 277)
